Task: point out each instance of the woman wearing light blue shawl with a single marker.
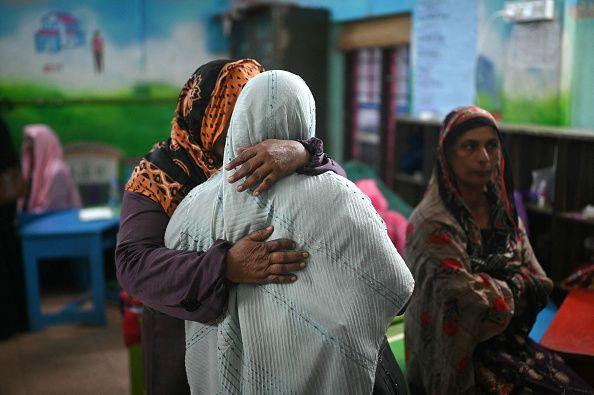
(322, 333)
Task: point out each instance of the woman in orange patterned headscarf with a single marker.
(181, 285)
(204, 108)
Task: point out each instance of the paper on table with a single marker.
(95, 213)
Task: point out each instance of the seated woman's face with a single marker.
(474, 155)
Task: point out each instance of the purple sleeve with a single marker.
(320, 162)
(183, 284)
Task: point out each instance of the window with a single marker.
(377, 91)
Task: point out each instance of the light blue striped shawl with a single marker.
(322, 333)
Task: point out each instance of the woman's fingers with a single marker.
(252, 165)
(288, 256)
(266, 183)
(252, 260)
(279, 245)
(240, 159)
(262, 234)
(257, 176)
(280, 278)
(286, 268)
(265, 163)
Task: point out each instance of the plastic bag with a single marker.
(542, 190)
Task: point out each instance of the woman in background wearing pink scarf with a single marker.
(395, 222)
(50, 184)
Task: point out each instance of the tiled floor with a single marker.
(65, 360)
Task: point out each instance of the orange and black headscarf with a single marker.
(204, 107)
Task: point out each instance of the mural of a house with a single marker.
(59, 31)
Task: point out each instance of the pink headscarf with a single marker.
(44, 169)
(395, 223)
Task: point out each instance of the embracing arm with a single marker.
(193, 285)
(319, 161)
(184, 284)
(267, 162)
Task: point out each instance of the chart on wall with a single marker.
(443, 55)
(103, 47)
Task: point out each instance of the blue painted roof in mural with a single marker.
(59, 30)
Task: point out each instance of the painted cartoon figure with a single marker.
(98, 47)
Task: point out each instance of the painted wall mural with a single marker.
(106, 49)
(518, 75)
(62, 49)
(540, 72)
(58, 31)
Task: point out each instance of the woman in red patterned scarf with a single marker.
(180, 285)
(479, 286)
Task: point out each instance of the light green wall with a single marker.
(335, 126)
(579, 41)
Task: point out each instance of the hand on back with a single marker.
(267, 162)
(252, 260)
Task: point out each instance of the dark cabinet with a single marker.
(288, 38)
